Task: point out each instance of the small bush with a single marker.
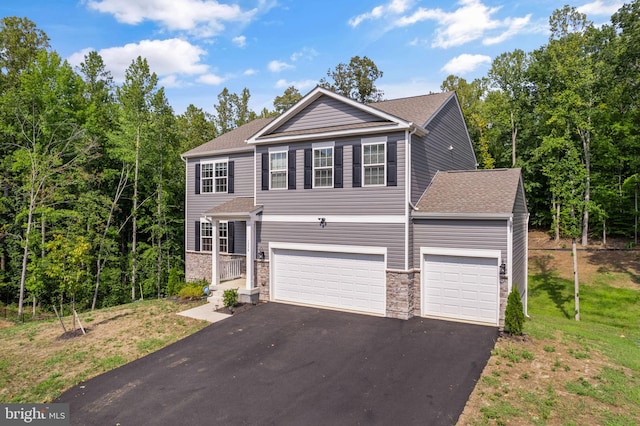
(176, 282)
(230, 297)
(514, 315)
(191, 291)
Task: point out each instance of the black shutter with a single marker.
(392, 164)
(230, 177)
(197, 235)
(292, 169)
(308, 168)
(338, 168)
(197, 178)
(357, 166)
(230, 238)
(265, 171)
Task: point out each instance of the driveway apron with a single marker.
(279, 364)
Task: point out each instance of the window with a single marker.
(278, 170)
(373, 160)
(323, 167)
(214, 177)
(206, 236)
(223, 236)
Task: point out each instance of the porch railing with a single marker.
(230, 269)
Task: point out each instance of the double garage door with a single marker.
(343, 280)
(460, 287)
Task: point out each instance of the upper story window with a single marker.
(278, 170)
(323, 167)
(373, 161)
(214, 177)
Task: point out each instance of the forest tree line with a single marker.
(92, 200)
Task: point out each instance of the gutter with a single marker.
(461, 216)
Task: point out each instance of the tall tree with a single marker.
(355, 80)
(135, 98)
(20, 42)
(288, 99)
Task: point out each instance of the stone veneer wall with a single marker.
(197, 266)
(504, 294)
(400, 295)
(262, 279)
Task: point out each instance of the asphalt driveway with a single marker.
(280, 364)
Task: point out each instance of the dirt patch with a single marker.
(236, 309)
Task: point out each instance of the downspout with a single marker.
(186, 217)
(409, 250)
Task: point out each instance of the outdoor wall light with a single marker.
(261, 255)
(323, 221)
(503, 269)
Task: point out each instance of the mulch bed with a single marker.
(241, 307)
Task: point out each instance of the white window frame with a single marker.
(319, 147)
(206, 226)
(213, 178)
(383, 164)
(285, 169)
(223, 236)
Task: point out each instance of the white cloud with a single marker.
(204, 18)
(277, 66)
(600, 8)
(306, 53)
(394, 7)
(170, 81)
(465, 63)
(301, 85)
(472, 20)
(250, 71)
(240, 41)
(165, 57)
(211, 79)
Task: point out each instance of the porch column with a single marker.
(250, 249)
(215, 271)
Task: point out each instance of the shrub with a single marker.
(230, 297)
(514, 315)
(176, 282)
(191, 291)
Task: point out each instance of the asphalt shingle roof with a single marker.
(240, 206)
(473, 191)
(416, 109)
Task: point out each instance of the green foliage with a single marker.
(176, 281)
(514, 314)
(355, 80)
(230, 297)
(191, 291)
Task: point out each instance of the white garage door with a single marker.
(463, 288)
(352, 281)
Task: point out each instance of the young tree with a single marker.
(355, 80)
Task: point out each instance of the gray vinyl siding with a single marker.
(326, 112)
(198, 204)
(372, 200)
(520, 235)
(240, 237)
(431, 153)
(390, 236)
(466, 234)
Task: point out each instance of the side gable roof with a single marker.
(233, 141)
(416, 109)
(473, 192)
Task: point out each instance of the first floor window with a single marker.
(323, 167)
(278, 170)
(206, 236)
(374, 162)
(223, 235)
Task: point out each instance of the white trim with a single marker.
(459, 252)
(321, 146)
(462, 216)
(205, 220)
(509, 259)
(336, 134)
(329, 248)
(279, 150)
(214, 161)
(400, 219)
(364, 166)
(526, 267)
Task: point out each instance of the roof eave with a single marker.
(461, 216)
(218, 152)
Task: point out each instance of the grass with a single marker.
(594, 364)
(36, 365)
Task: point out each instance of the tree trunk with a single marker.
(586, 142)
(604, 232)
(557, 221)
(514, 135)
(135, 221)
(635, 225)
(25, 252)
(576, 283)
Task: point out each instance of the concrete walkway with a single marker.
(204, 312)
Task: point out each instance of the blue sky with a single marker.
(198, 47)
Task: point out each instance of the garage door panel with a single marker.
(460, 287)
(351, 281)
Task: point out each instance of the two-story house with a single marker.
(375, 208)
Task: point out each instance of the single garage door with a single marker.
(459, 287)
(353, 281)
